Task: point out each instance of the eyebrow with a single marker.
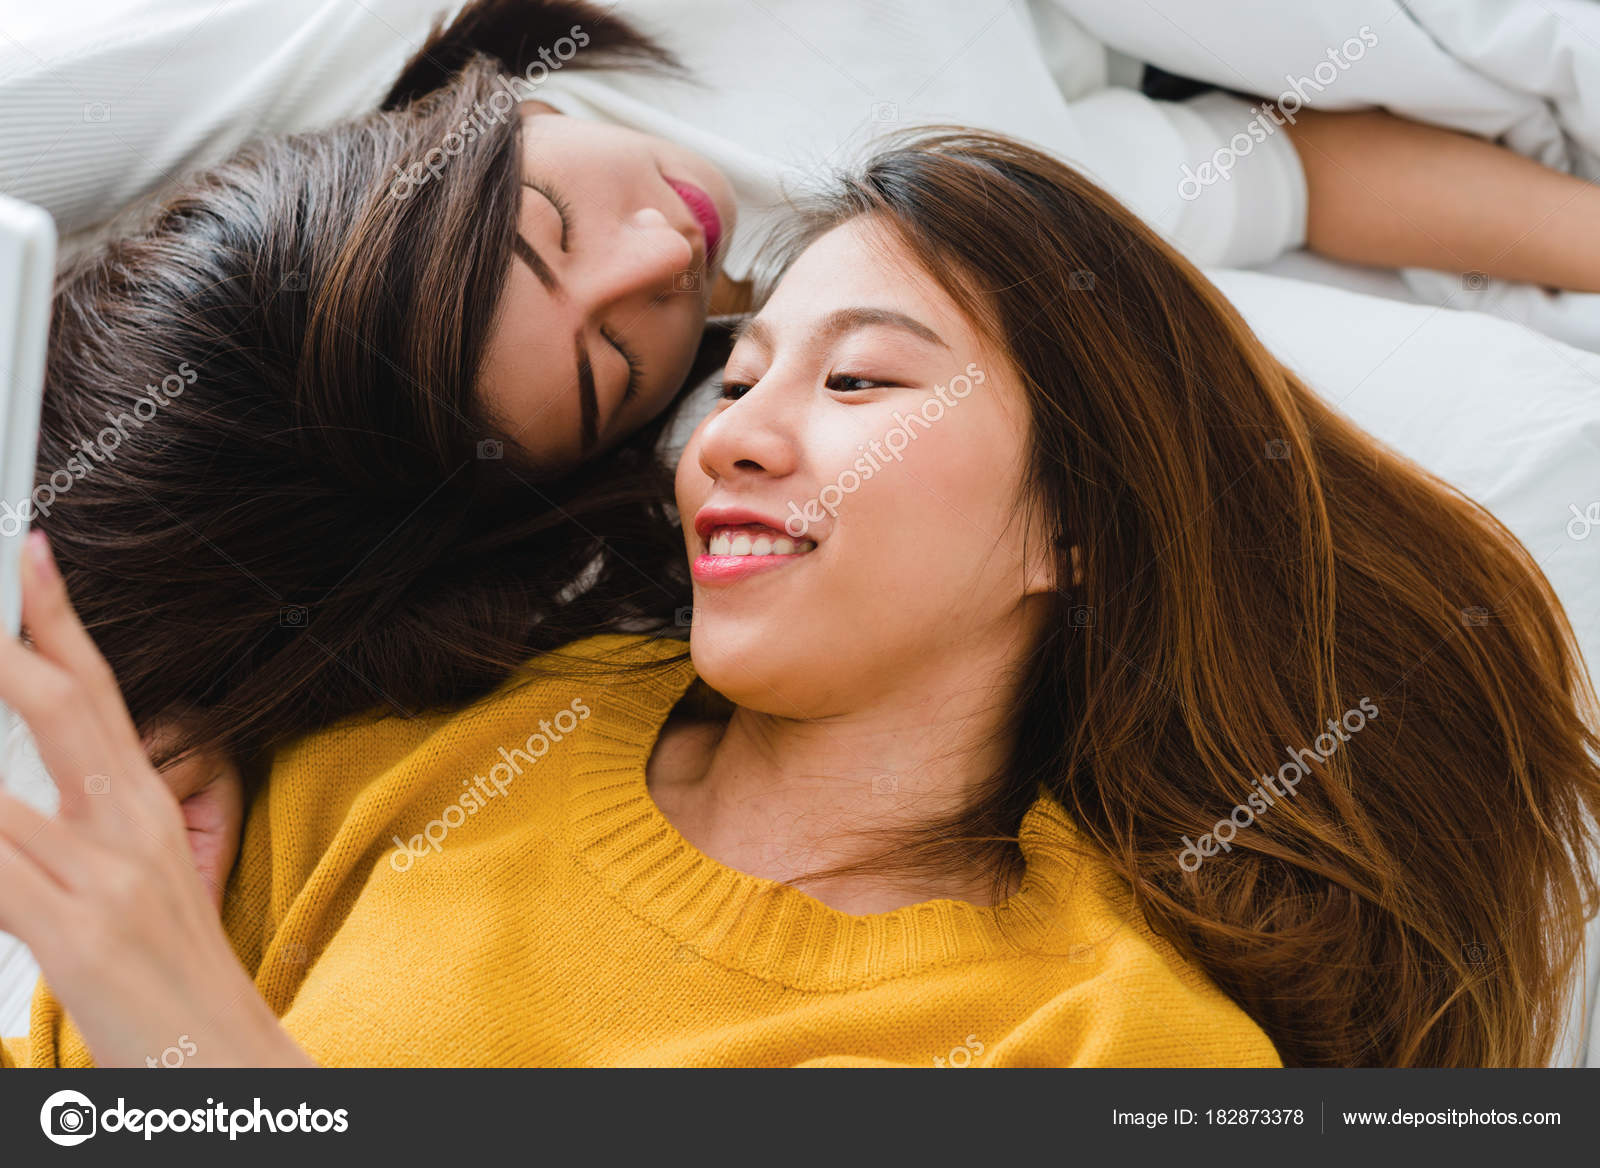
(588, 404)
(840, 322)
(527, 255)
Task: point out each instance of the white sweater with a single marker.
(113, 99)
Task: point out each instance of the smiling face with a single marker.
(854, 507)
(619, 242)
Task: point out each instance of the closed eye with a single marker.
(562, 207)
(635, 367)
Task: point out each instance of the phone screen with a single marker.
(27, 263)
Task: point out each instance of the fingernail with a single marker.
(44, 562)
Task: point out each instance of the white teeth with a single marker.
(741, 543)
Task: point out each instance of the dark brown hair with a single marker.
(300, 511)
(1254, 565)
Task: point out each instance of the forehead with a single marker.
(863, 262)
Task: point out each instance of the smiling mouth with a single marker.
(736, 552)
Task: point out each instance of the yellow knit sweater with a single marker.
(539, 910)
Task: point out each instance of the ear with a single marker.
(1040, 568)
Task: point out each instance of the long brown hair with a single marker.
(264, 466)
(1253, 565)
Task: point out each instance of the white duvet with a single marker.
(1523, 72)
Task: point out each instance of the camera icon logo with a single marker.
(885, 784)
(1475, 617)
(96, 111)
(885, 111)
(295, 282)
(1080, 616)
(687, 280)
(295, 953)
(1277, 448)
(294, 616)
(1474, 281)
(1081, 280)
(491, 449)
(684, 617)
(68, 1118)
(97, 785)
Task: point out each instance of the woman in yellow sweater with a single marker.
(1068, 686)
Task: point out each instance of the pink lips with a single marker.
(724, 569)
(704, 211)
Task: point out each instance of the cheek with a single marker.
(934, 539)
(690, 483)
(950, 484)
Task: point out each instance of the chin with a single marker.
(745, 663)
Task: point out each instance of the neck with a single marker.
(782, 797)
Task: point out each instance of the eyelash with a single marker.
(734, 390)
(635, 367)
(563, 209)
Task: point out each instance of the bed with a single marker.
(1494, 388)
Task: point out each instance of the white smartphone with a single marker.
(27, 272)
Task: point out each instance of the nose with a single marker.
(647, 257)
(754, 436)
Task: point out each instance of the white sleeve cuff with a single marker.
(1241, 181)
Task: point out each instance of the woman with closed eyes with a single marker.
(417, 363)
(1005, 589)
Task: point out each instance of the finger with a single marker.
(29, 899)
(59, 636)
(65, 731)
(43, 839)
(66, 694)
(46, 698)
